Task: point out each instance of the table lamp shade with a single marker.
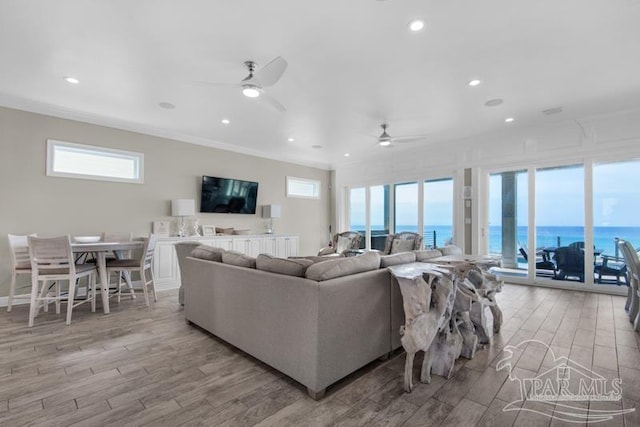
(271, 211)
(183, 207)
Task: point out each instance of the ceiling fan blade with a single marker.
(271, 73)
(413, 138)
(211, 84)
(272, 102)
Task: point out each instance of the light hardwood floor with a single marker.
(145, 366)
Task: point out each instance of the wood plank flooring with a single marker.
(145, 366)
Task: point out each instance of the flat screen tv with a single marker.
(226, 195)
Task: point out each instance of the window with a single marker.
(357, 210)
(65, 159)
(379, 215)
(301, 187)
(406, 207)
(438, 212)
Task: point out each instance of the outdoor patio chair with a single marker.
(569, 263)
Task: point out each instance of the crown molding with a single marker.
(39, 107)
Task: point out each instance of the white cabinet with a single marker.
(269, 245)
(165, 261)
(165, 265)
(225, 243)
(248, 245)
(286, 246)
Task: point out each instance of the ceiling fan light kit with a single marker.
(251, 91)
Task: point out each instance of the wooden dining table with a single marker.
(101, 249)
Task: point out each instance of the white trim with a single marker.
(317, 188)
(97, 150)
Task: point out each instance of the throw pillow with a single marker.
(343, 244)
(450, 250)
(290, 267)
(238, 259)
(343, 266)
(401, 246)
(395, 259)
(208, 252)
(426, 255)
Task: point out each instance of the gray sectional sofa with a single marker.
(315, 320)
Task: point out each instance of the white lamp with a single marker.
(271, 211)
(182, 208)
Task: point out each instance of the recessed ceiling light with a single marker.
(416, 25)
(384, 143)
(509, 119)
(290, 139)
(493, 102)
(166, 105)
(316, 146)
(347, 154)
(474, 82)
(71, 80)
(225, 121)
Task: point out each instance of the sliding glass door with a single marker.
(438, 212)
(560, 233)
(616, 215)
(379, 215)
(406, 207)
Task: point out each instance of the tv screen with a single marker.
(225, 195)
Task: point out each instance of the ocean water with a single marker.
(604, 237)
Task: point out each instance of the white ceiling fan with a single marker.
(253, 85)
(385, 140)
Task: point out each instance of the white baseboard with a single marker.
(4, 301)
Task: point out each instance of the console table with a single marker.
(165, 262)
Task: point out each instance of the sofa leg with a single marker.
(316, 395)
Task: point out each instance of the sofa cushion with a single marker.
(208, 252)
(290, 267)
(343, 266)
(400, 245)
(321, 258)
(395, 259)
(450, 250)
(426, 255)
(239, 259)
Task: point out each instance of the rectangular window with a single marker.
(301, 187)
(406, 207)
(438, 212)
(69, 160)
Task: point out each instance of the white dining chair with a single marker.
(143, 265)
(632, 261)
(120, 236)
(52, 261)
(20, 264)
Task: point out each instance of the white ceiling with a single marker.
(352, 65)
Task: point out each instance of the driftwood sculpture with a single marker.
(428, 303)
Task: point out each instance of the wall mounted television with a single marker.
(226, 195)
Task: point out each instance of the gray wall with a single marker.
(31, 202)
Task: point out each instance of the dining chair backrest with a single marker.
(51, 255)
(19, 251)
(149, 248)
(630, 257)
(111, 236)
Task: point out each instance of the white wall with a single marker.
(31, 202)
(607, 137)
